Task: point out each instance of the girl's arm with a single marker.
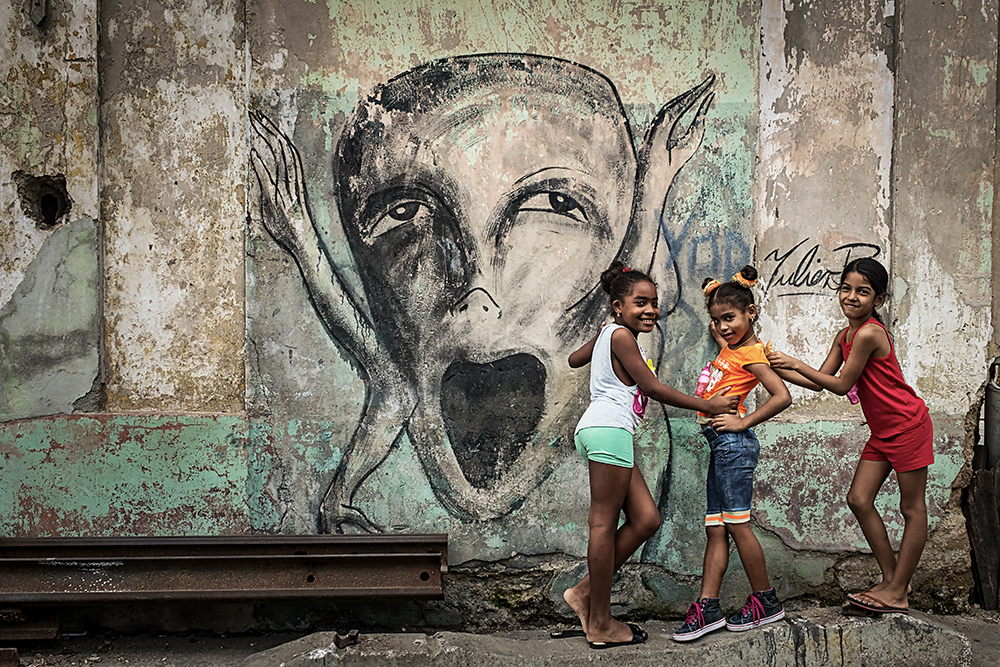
(582, 355)
(780, 365)
(868, 340)
(792, 376)
(625, 348)
(779, 400)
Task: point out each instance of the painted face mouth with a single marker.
(491, 412)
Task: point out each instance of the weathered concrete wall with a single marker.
(883, 148)
(427, 193)
(173, 179)
(946, 101)
(49, 267)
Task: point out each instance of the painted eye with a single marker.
(401, 213)
(555, 202)
(560, 203)
(405, 211)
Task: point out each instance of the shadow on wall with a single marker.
(481, 197)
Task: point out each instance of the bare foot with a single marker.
(881, 586)
(579, 603)
(615, 631)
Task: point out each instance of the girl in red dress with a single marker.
(901, 439)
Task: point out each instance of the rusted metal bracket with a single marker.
(9, 657)
(84, 570)
(340, 641)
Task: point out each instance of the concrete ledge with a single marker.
(821, 637)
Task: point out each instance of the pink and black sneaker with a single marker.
(762, 607)
(703, 617)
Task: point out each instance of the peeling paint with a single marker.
(121, 475)
(807, 514)
(49, 330)
(173, 247)
(47, 85)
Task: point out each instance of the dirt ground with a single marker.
(981, 627)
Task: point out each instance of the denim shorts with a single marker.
(733, 460)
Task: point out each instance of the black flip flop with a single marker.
(636, 630)
(566, 634)
(639, 636)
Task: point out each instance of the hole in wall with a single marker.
(43, 199)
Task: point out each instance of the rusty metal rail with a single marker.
(88, 570)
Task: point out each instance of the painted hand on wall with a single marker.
(481, 197)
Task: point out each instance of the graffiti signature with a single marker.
(802, 270)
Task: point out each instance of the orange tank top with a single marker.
(729, 370)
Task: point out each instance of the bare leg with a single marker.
(751, 555)
(716, 561)
(642, 520)
(894, 590)
(610, 546)
(868, 479)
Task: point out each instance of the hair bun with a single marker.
(709, 285)
(746, 277)
(608, 275)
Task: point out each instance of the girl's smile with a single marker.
(734, 325)
(641, 311)
(857, 297)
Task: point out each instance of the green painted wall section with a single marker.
(124, 475)
(290, 465)
(805, 472)
(636, 44)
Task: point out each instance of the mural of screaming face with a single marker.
(481, 197)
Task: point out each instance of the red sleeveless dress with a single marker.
(900, 423)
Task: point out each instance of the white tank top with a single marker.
(610, 400)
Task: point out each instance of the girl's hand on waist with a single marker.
(730, 423)
(721, 404)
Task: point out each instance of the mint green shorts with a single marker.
(605, 444)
